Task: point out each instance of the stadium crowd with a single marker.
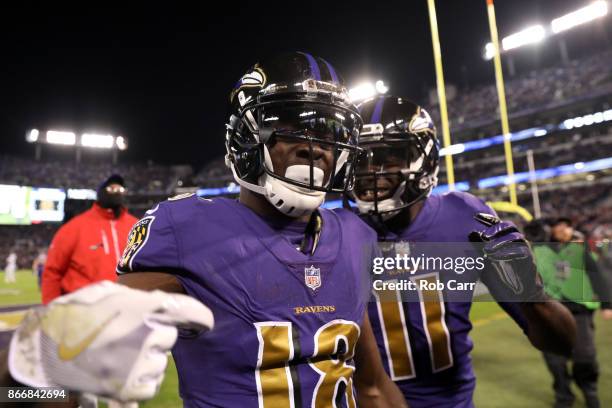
(537, 89)
(26, 241)
(143, 178)
(588, 206)
(548, 152)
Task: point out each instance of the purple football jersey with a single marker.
(425, 345)
(286, 323)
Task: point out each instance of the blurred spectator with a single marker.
(11, 268)
(87, 248)
(570, 275)
(600, 242)
(38, 266)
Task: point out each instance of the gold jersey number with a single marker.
(393, 320)
(334, 346)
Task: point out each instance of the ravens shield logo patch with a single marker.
(136, 240)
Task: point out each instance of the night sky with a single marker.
(161, 76)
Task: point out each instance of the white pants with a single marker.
(9, 274)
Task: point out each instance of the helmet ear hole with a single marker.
(249, 166)
(243, 150)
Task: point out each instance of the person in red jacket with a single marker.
(87, 248)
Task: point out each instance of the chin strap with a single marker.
(312, 233)
(288, 199)
(386, 208)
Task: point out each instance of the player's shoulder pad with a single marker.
(343, 214)
(178, 201)
(351, 222)
(153, 240)
(184, 207)
(181, 196)
(467, 202)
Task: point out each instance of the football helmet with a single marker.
(294, 98)
(400, 162)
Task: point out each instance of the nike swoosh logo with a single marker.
(67, 353)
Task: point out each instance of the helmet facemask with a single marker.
(393, 173)
(294, 152)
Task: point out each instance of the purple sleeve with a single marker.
(477, 204)
(152, 244)
(513, 309)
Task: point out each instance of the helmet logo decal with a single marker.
(421, 121)
(255, 78)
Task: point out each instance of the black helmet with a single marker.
(299, 97)
(400, 163)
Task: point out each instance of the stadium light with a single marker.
(381, 88)
(489, 51)
(59, 137)
(81, 194)
(121, 143)
(453, 149)
(537, 33)
(97, 140)
(32, 136)
(67, 138)
(552, 172)
(587, 120)
(367, 90)
(361, 92)
(583, 15)
(530, 35)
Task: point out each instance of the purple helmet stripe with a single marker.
(331, 70)
(314, 67)
(377, 111)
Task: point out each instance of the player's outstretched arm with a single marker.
(550, 326)
(105, 339)
(149, 281)
(374, 387)
(513, 280)
(146, 281)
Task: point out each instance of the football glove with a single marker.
(105, 339)
(512, 275)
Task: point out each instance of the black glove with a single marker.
(512, 275)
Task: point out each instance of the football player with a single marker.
(287, 282)
(423, 333)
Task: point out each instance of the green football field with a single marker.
(510, 372)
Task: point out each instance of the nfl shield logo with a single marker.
(312, 277)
